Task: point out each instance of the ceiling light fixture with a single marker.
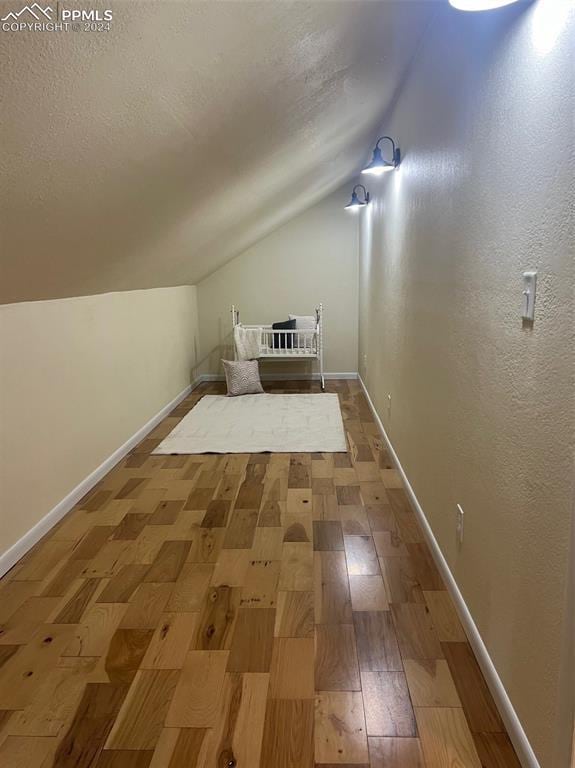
(378, 165)
(479, 5)
(355, 203)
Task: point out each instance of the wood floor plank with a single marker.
(197, 699)
(74, 609)
(169, 562)
(361, 556)
(292, 668)
(141, 718)
(415, 632)
(217, 619)
(425, 569)
(23, 672)
(125, 653)
(288, 740)
(170, 642)
(296, 570)
(377, 646)
(395, 753)
(132, 525)
(165, 513)
(183, 748)
(85, 739)
(43, 560)
(388, 710)
(495, 750)
(147, 605)
(332, 566)
(327, 535)
(92, 637)
(340, 733)
(400, 580)
(231, 568)
(368, 593)
(237, 737)
(190, 589)
(295, 614)
(332, 602)
(124, 758)
(444, 617)
(260, 585)
(268, 543)
(445, 738)
(253, 639)
(217, 514)
(239, 610)
(389, 544)
(477, 700)
(206, 545)
(241, 529)
(27, 752)
(122, 586)
(25, 622)
(430, 683)
(336, 666)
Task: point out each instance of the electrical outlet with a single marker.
(459, 524)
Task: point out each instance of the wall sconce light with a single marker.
(479, 5)
(378, 165)
(355, 203)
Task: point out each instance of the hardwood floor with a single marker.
(277, 610)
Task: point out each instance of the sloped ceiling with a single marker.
(150, 154)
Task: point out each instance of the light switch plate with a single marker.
(529, 292)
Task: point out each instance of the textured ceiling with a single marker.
(151, 154)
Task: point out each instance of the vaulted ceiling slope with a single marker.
(150, 154)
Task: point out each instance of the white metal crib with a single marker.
(289, 344)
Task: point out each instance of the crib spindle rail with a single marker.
(292, 344)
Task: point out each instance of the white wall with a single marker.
(78, 378)
(482, 405)
(311, 259)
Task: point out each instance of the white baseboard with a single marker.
(509, 716)
(285, 376)
(9, 558)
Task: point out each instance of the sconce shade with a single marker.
(378, 164)
(479, 5)
(355, 203)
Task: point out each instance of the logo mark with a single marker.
(34, 10)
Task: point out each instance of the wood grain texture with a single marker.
(446, 738)
(336, 667)
(395, 753)
(377, 646)
(478, 703)
(340, 728)
(295, 614)
(388, 710)
(288, 739)
(252, 643)
(196, 701)
(141, 718)
(251, 610)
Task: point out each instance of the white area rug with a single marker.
(258, 423)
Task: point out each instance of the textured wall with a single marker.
(482, 407)
(78, 378)
(313, 258)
